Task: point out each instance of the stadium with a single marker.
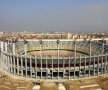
(55, 59)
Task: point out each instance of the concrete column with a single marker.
(63, 67)
(89, 56)
(85, 66)
(14, 65)
(102, 57)
(73, 36)
(41, 68)
(7, 60)
(36, 66)
(41, 42)
(107, 64)
(17, 65)
(21, 66)
(26, 66)
(6, 47)
(41, 58)
(30, 67)
(25, 49)
(46, 67)
(8, 63)
(98, 66)
(52, 67)
(58, 42)
(58, 68)
(105, 61)
(74, 56)
(94, 66)
(13, 48)
(79, 66)
(69, 67)
(4, 61)
(11, 63)
(2, 47)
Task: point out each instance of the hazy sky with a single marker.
(54, 15)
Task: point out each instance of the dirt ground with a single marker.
(7, 83)
(100, 81)
(49, 86)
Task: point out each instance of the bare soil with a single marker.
(15, 81)
(49, 86)
(7, 83)
(102, 81)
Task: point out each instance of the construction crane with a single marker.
(4, 37)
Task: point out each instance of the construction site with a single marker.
(64, 61)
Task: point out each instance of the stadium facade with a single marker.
(57, 59)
